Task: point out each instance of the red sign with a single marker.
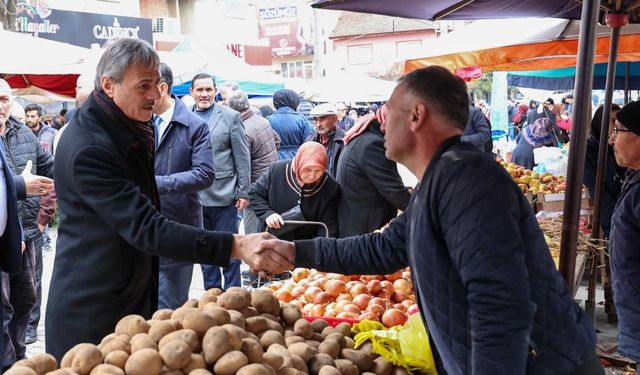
(287, 34)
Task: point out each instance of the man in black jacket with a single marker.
(488, 291)
(111, 232)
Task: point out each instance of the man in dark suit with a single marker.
(230, 190)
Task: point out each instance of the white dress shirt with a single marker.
(166, 118)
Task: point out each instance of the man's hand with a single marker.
(36, 185)
(242, 203)
(23, 246)
(41, 228)
(274, 221)
(262, 261)
(284, 249)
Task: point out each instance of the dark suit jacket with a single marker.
(110, 234)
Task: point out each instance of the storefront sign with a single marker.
(78, 28)
(288, 34)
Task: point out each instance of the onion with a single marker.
(362, 301)
(346, 315)
(358, 289)
(335, 287)
(283, 295)
(374, 286)
(375, 309)
(393, 317)
(402, 285)
(398, 296)
(369, 316)
(344, 296)
(388, 286)
(351, 308)
(394, 276)
(311, 293)
(322, 298)
(318, 310)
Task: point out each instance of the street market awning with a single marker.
(564, 78)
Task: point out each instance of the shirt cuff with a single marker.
(213, 249)
(305, 253)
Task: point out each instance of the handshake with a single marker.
(265, 254)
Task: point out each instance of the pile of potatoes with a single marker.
(224, 333)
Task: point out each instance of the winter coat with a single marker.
(304, 108)
(336, 145)
(612, 182)
(523, 154)
(263, 144)
(183, 167)
(625, 266)
(372, 189)
(485, 282)
(231, 159)
(110, 233)
(278, 191)
(20, 146)
(292, 128)
(477, 130)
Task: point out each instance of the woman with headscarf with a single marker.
(298, 189)
(372, 189)
(562, 119)
(613, 175)
(292, 127)
(536, 135)
(520, 118)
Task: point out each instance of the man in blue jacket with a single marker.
(183, 166)
(625, 231)
(484, 279)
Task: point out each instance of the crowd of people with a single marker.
(147, 186)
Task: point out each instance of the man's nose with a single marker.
(612, 138)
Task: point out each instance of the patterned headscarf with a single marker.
(538, 134)
(310, 154)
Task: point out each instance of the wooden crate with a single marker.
(554, 203)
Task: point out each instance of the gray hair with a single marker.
(238, 101)
(234, 86)
(119, 55)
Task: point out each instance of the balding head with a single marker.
(5, 104)
(5, 89)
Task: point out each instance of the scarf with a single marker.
(286, 98)
(310, 154)
(538, 134)
(364, 122)
(519, 117)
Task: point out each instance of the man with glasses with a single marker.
(625, 232)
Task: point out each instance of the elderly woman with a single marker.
(535, 135)
(297, 189)
(292, 127)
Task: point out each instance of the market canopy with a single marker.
(521, 44)
(470, 9)
(360, 88)
(564, 78)
(53, 71)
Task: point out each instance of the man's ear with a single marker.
(163, 87)
(107, 86)
(418, 114)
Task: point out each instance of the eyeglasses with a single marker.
(616, 131)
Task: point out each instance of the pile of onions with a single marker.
(386, 299)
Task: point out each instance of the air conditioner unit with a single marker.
(166, 25)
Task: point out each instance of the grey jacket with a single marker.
(263, 143)
(232, 163)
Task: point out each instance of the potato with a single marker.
(272, 325)
(368, 373)
(236, 318)
(330, 347)
(191, 303)
(359, 358)
(299, 363)
(327, 331)
(253, 369)
(106, 369)
(216, 343)
(172, 372)
(218, 313)
(200, 371)
(319, 324)
(253, 350)
(302, 350)
(290, 371)
(281, 351)
(160, 329)
(20, 370)
(290, 314)
(117, 358)
(328, 370)
(62, 371)
(210, 295)
(289, 333)
(270, 317)
(199, 321)
(235, 298)
(367, 347)
(274, 360)
(265, 302)
(237, 334)
(162, 314)
(132, 325)
(317, 361)
(256, 324)
(269, 338)
(381, 366)
(195, 362)
(249, 312)
(399, 370)
(40, 363)
(346, 367)
(313, 343)
(113, 345)
(176, 354)
(344, 328)
(303, 328)
(231, 362)
(249, 335)
(339, 337)
(143, 341)
(349, 343)
(181, 312)
(187, 335)
(293, 339)
(86, 357)
(144, 362)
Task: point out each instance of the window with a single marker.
(358, 55)
(408, 48)
(300, 69)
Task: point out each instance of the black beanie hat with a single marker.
(629, 116)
